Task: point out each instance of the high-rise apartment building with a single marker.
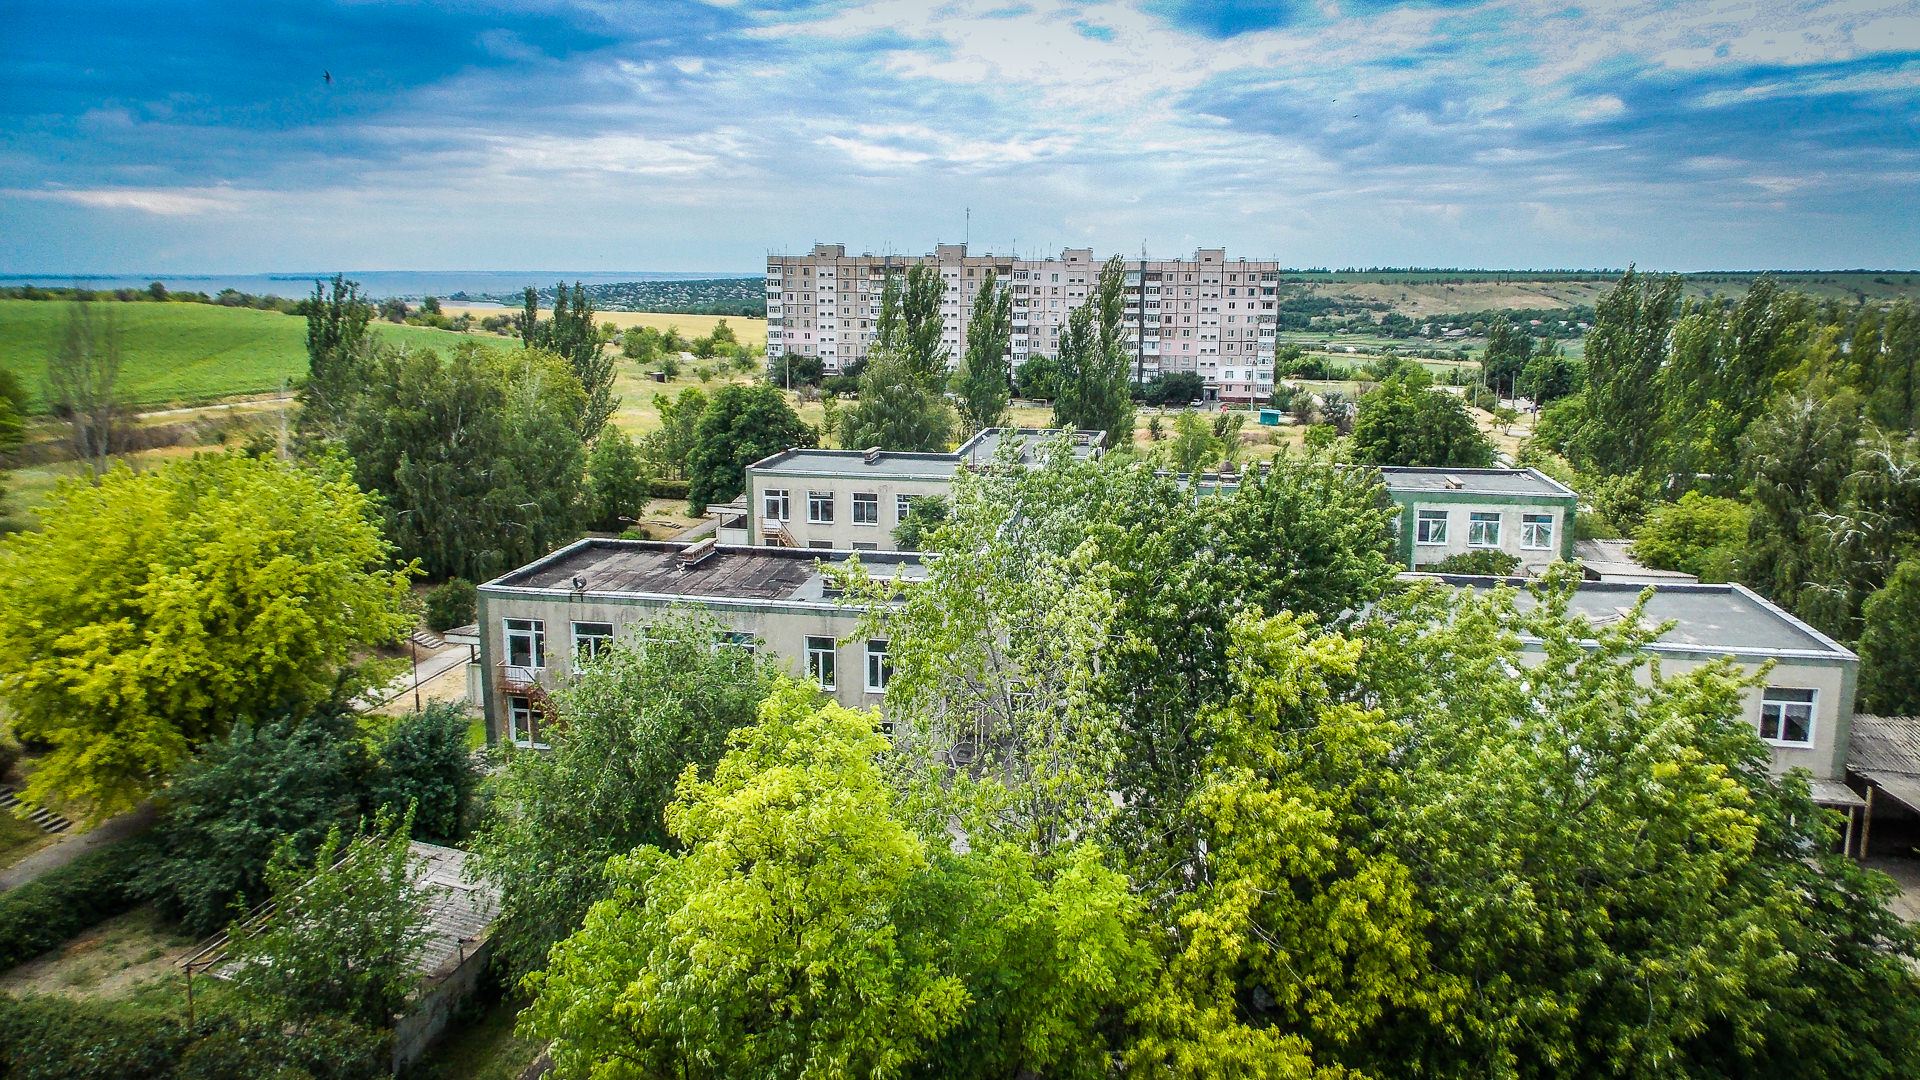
(1203, 315)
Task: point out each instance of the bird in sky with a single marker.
(327, 75)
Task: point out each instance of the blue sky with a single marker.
(687, 135)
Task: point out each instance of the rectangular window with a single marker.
(733, 639)
(867, 545)
(526, 643)
(1431, 527)
(879, 667)
(823, 544)
(591, 641)
(1483, 530)
(820, 656)
(1786, 716)
(902, 506)
(1536, 532)
(866, 508)
(820, 507)
(520, 720)
(778, 506)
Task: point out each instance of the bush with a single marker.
(452, 604)
(60, 903)
(1486, 562)
(661, 488)
(1698, 535)
(424, 763)
(58, 1038)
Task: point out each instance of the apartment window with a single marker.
(526, 643)
(777, 505)
(820, 507)
(902, 506)
(733, 639)
(520, 720)
(865, 545)
(820, 657)
(879, 667)
(591, 641)
(1786, 716)
(824, 544)
(1483, 530)
(866, 508)
(1536, 532)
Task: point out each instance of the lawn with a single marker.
(184, 353)
(19, 838)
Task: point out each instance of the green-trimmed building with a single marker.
(1447, 512)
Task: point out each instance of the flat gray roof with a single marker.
(1475, 481)
(978, 450)
(1707, 618)
(696, 571)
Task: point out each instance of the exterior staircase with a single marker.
(39, 815)
(427, 639)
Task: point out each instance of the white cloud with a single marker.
(165, 202)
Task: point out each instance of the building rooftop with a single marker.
(978, 450)
(1475, 481)
(1707, 618)
(703, 570)
(1612, 560)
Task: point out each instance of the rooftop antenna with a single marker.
(966, 233)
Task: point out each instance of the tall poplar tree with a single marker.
(1619, 428)
(1095, 388)
(984, 385)
(572, 335)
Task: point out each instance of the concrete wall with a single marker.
(842, 534)
(415, 1034)
(782, 628)
(1459, 506)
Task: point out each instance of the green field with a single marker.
(180, 354)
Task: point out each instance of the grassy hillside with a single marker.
(183, 353)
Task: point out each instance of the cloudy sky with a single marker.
(191, 137)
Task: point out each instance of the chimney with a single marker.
(696, 553)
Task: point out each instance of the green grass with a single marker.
(186, 353)
(19, 838)
(481, 1045)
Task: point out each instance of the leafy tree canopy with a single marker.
(741, 425)
(154, 612)
(1405, 423)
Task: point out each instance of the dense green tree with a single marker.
(791, 370)
(239, 800)
(635, 720)
(1797, 458)
(1193, 447)
(739, 426)
(1038, 379)
(338, 348)
(1093, 389)
(1549, 376)
(1890, 642)
(475, 455)
(1697, 535)
(425, 768)
(453, 602)
(903, 403)
(572, 335)
(984, 384)
(1404, 422)
(13, 413)
(343, 934)
(617, 484)
(1509, 351)
(667, 448)
(83, 381)
(1619, 427)
(924, 515)
(1883, 365)
(154, 612)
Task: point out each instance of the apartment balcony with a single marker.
(517, 678)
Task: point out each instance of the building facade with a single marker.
(852, 500)
(1448, 512)
(538, 623)
(1204, 315)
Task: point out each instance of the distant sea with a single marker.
(409, 284)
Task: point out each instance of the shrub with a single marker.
(58, 1038)
(452, 604)
(1698, 535)
(1486, 562)
(424, 763)
(661, 488)
(60, 903)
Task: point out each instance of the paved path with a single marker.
(72, 846)
(431, 667)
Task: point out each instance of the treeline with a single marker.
(158, 293)
(1769, 440)
(744, 297)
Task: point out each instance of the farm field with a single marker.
(749, 331)
(183, 353)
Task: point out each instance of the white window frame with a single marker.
(879, 666)
(535, 633)
(870, 500)
(1478, 521)
(1776, 709)
(1536, 532)
(591, 645)
(816, 500)
(779, 498)
(1423, 533)
(520, 728)
(822, 658)
(734, 639)
(902, 506)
